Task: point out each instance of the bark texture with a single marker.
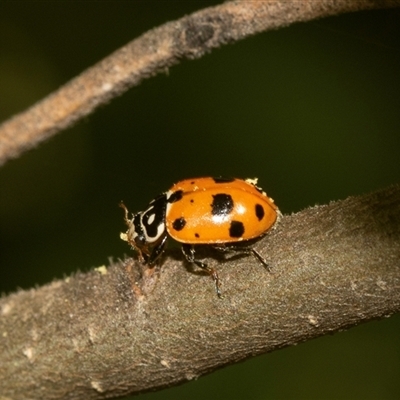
(128, 329)
(155, 51)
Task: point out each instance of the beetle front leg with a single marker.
(157, 251)
(189, 253)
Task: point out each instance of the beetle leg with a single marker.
(260, 258)
(157, 251)
(244, 251)
(189, 253)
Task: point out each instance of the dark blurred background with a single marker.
(312, 110)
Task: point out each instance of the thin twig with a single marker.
(158, 49)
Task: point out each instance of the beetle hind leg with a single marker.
(245, 251)
(260, 258)
(190, 255)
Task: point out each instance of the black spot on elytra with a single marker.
(260, 212)
(176, 196)
(179, 224)
(196, 235)
(236, 229)
(223, 180)
(222, 204)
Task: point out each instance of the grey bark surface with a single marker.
(129, 329)
(155, 51)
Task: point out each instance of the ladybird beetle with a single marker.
(226, 214)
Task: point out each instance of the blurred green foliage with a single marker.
(311, 110)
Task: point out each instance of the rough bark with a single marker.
(128, 329)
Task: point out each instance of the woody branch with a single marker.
(155, 51)
(127, 329)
